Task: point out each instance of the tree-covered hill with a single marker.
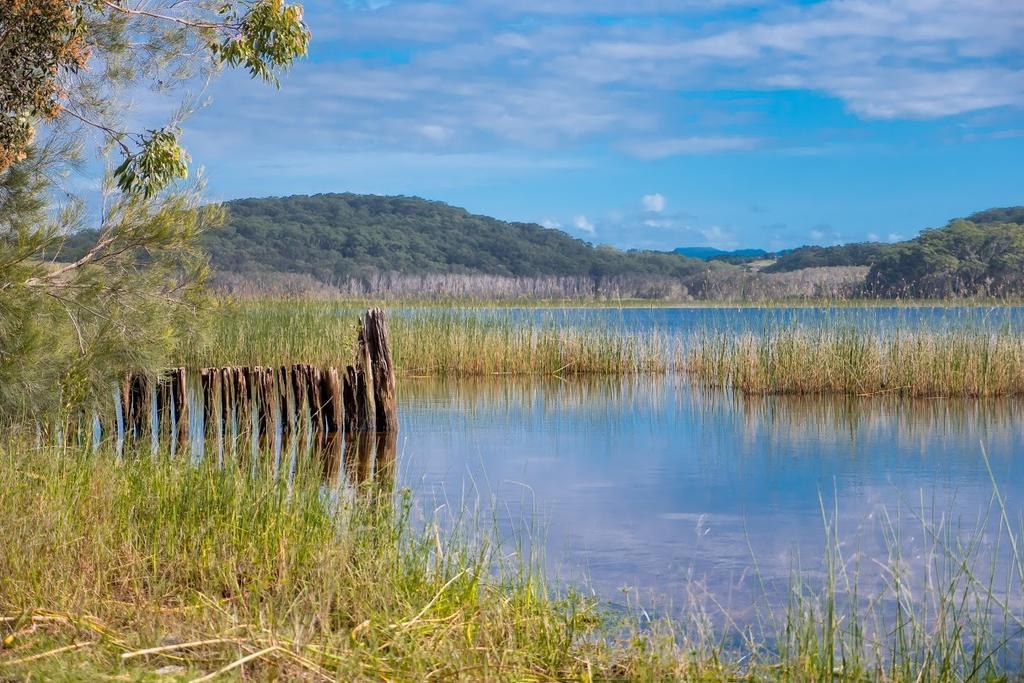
(405, 246)
(982, 255)
(1007, 214)
(870, 253)
(855, 254)
(337, 236)
(961, 259)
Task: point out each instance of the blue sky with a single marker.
(648, 123)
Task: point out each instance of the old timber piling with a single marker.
(245, 411)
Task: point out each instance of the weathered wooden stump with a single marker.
(376, 339)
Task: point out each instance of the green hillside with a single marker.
(855, 254)
(870, 253)
(352, 241)
(961, 259)
(333, 236)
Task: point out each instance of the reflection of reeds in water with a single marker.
(260, 419)
(428, 341)
(653, 399)
(857, 363)
(828, 419)
(521, 401)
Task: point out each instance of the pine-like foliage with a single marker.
(70, 327)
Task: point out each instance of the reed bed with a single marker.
(426, 341)
(967, 361)
(919, 363)
(133, 569)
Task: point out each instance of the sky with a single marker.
(643, 123)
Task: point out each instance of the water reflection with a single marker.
(247, 416)
(668, 488)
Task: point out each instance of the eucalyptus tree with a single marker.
(68, 69)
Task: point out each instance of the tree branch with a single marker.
(216, 26)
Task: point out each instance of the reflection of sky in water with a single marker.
(722, 319)
(650, 483)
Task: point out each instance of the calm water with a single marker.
(674, 491)
(686, 495)
(746, 319)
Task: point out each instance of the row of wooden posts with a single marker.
(298, 401)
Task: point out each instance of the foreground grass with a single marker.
(155, 567)
(918, 364)
(130, 568)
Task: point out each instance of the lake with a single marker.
(753, 319)
(653, 489)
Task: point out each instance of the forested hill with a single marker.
(337, 236)
(369, 245)
(870, 253)
(980, 255)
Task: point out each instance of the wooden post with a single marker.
(267, 418)
(348, 393)
(126, 399)
(285, 400)
(316, 405)
(300, 401)
(330, 443)
(136, 402)
(331, 404)
(164, 408)
(243, 405)
(179, 394)
(227, 403)
(210, 380)
(375, 338)
(360, 413)
(361, 409)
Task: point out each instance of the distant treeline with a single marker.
(366, 245)
(718, 284)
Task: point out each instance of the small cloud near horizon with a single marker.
(583, 223)
(654, 203)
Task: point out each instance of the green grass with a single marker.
(120, 569)
(919, 363)
(426, 341)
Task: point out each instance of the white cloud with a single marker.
(655, 203)
(659, 149)
(719, 238)
(436, 133)
(872, 237)
(583, 223)
(551, 224)
(817, 235)
(893, 237)
(475, 77)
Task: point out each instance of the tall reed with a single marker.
(919, 363)
(434, 341)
